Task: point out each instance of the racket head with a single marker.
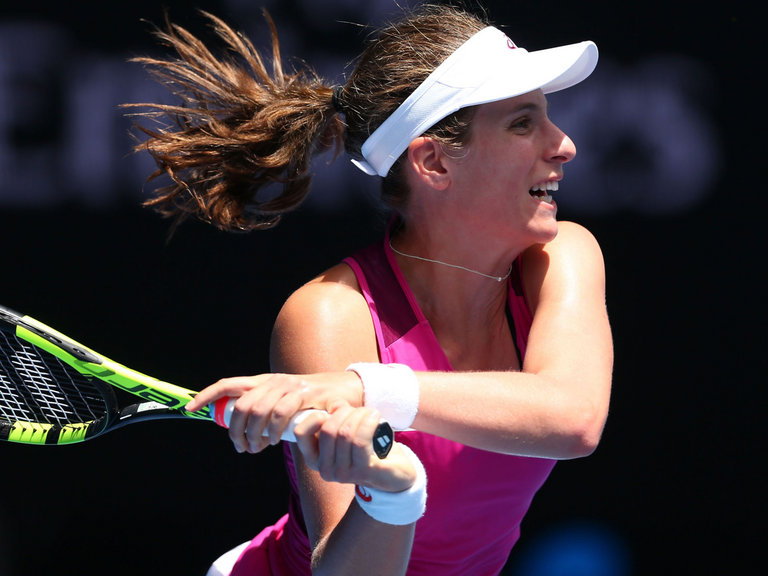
(81, 367)
(42, 399)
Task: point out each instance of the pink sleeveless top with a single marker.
(476, 499)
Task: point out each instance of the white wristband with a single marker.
(392, 389)
(397, 508)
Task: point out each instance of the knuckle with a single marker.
(286, 406)
(359, 443)
(279, 413)
(327, 435)
(347, 433)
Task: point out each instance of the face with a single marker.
(506, 175)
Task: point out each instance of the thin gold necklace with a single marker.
(497, 278)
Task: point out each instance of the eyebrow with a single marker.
(527, 107)
(531, 106)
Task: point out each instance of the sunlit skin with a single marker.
(513, 146)
(485, 188)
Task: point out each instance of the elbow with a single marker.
(583, 433)
(585, 444)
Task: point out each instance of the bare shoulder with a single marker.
(324, 325)
(572, 262)
(572, 239)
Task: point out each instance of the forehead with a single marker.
(531, 102)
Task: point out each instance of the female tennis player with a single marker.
(477, 326)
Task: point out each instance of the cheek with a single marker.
(496, 165)
(491, 164)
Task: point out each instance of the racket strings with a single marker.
(38, 387)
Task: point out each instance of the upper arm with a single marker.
(570, 338)
(323, 327)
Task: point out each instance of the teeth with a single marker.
(546, 187)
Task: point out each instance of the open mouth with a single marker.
(543, 191)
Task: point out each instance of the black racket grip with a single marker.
(383, 439)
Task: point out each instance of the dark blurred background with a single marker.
(670, 154)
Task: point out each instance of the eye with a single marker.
(522, 124)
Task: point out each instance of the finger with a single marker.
(233, 387)
(327, 439)
(248, 420)
(261, 404)
(337, 440)
(284, 410)
(255, 442)
(268, 412)
(351, 435)
(250, 416)
(362, 447)
(306, 432)
(237, 427)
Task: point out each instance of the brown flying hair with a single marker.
(241, 127)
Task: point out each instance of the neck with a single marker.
(449, 265)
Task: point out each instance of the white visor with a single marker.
(486, 68)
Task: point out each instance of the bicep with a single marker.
(570, 338)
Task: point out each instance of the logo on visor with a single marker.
(510, 44)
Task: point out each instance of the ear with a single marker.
(426, 160)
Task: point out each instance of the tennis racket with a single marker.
(54, 390)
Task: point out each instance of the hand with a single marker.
(338, 445)
(267, 402)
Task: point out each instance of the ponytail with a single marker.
(239, 129)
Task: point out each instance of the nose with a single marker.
(563, 149)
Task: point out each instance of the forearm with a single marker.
(361, 545)
(541, 415)
(514, 412)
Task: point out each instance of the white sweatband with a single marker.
(397, 508)
(392, 389)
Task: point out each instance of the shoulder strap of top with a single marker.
(391, 305)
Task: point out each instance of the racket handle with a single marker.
(383, 438)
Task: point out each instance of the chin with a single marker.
(544, 231)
